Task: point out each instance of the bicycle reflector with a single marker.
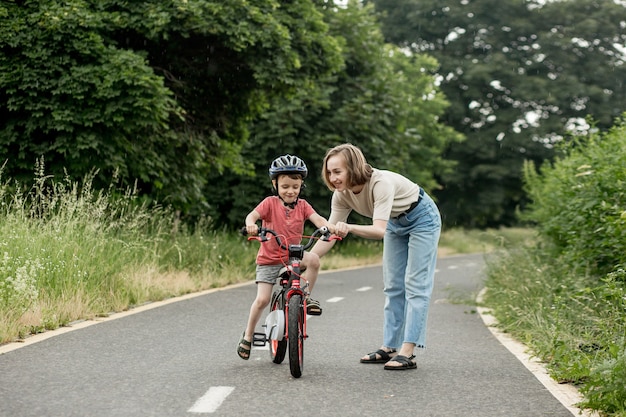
(275, 325)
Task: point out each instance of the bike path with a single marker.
(161, 359)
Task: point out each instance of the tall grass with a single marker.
(459, 240)
(69, 253)
(572, 322)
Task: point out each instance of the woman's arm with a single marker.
(374, 231)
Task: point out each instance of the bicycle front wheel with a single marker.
(278, 348)
(296, 335)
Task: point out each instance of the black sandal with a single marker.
(241, 351)
(406, 363)
(313, 307)
(384, 356)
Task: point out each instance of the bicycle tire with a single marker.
(296, 335)
(278, 348)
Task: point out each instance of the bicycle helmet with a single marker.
(288, 164)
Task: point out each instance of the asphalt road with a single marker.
(179, 360)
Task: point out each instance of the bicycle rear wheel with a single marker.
(278, 348)
(296, 335)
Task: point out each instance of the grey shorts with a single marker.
(267, 273)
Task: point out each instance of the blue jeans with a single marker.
(409, 261)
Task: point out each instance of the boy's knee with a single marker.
(261, 302)
(312, 261)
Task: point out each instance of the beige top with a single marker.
(385, 195)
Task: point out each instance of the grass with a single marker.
(575, 324)
(458, 241)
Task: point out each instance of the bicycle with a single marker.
(288, 303)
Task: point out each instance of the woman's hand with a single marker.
(372, 231)
(342, 229)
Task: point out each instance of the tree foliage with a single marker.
(159, 91)
(70, 96)
(520, 76)
(382, 100)
(193, 98)
(579, 202)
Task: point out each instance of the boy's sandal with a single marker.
(244, 353)
(405, 363)
(313, 307)
(380, 356)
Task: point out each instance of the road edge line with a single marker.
(81, 324)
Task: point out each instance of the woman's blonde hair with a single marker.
(359, 171)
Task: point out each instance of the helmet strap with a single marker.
(290, 205)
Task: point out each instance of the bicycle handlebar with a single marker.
(323, 233)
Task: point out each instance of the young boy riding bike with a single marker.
(285, 213)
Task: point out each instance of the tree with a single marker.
(72, 98)
(520, 77)
(160, 91)
(382, 100)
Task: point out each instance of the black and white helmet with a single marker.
(288, 164)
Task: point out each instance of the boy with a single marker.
(285, 213)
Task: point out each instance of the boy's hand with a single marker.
(252, 230)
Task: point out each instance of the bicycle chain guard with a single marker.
(275, 325)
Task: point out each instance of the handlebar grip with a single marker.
(244, 231)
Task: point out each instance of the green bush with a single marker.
(579, 202)
(565, 296)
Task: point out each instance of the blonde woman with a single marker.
(409, 223)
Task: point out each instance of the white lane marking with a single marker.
(334, 300)
(364, 289)
(453, 267)
(211, 401)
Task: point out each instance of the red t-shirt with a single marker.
(288, 223)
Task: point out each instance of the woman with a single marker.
(409, 223)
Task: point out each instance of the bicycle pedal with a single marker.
(258, 339)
